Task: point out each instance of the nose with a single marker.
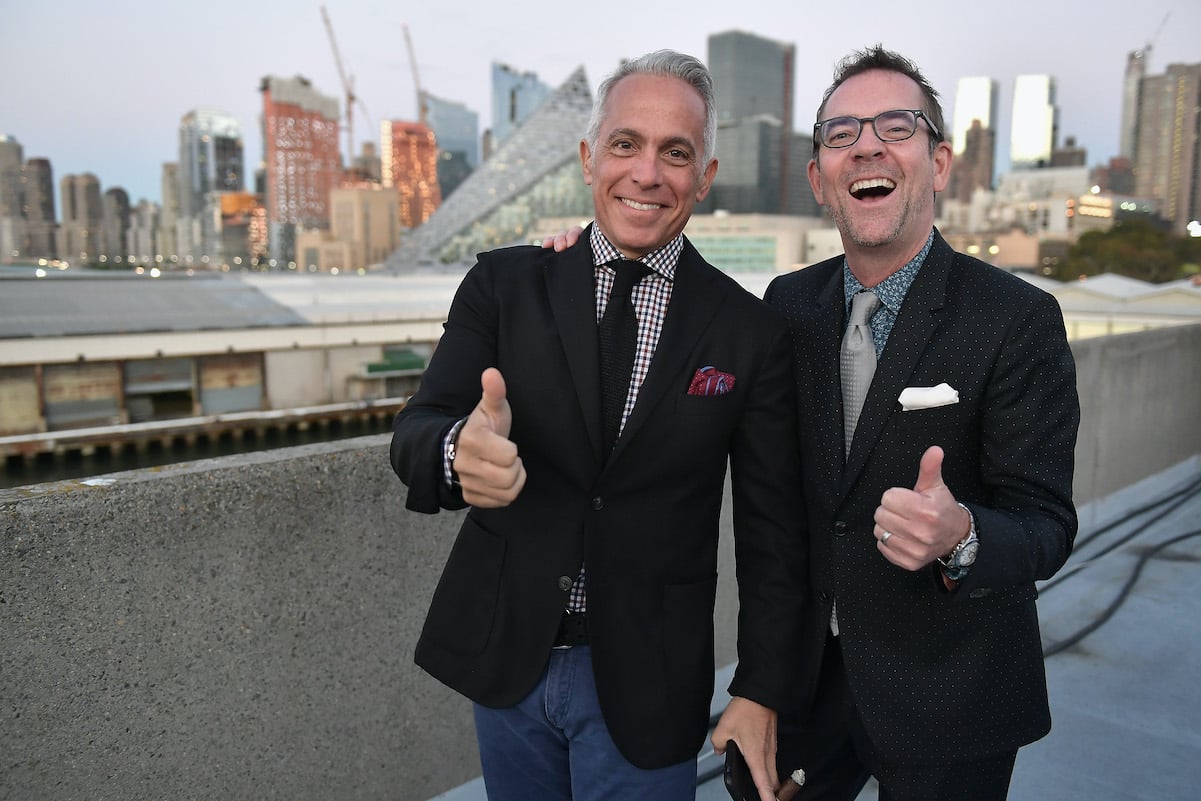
(869, 142)
(646, 169)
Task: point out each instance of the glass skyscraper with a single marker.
(515, 96)
(210, 160)
(753, 79)
(1035, 125)
(457, 129)
(975, 99)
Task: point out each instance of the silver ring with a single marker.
(884, 537)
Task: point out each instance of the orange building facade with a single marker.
(302, 159)
(409, 163)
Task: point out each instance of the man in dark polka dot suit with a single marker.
(929, 677)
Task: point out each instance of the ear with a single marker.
(586, 161)
(942, 157)
(815, 181)
(706, 182)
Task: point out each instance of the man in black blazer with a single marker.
(928, 531)
(576, 608)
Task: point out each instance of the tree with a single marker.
(1133, 248)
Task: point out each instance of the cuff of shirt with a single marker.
(448, 443)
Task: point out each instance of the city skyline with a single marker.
(111, 101)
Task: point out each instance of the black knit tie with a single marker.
(618, 335)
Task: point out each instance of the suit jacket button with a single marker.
(980, 592)
(565, 583)
(598, 503)
(823, 596)
(840, 528)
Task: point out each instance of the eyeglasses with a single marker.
(890, 126)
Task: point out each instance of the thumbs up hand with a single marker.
(490, 472)
(922, 523)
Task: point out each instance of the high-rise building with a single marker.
(302, 159)
(801, 200)
(241, 238)
(753, 81)
(40, 226)
(972, 168)
(210, 160)
(114, 226)
(1167, 161)
(143, 233)
(12, 199)
(12, 156)
(1035, 124)
(409, 165)
(167, 239)
(750, 178)
(752, 75)
(515, 96)
(83, 211)
(975, 99)
(457, 131)
(1136, 69)
(210, 157)
(1116, 177)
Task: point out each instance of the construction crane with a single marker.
(1158, 30)
(422, 107)
(347, 87)
(1152, 38)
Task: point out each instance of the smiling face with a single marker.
(645, 170)
(880, 195)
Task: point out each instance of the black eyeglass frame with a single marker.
(917, 113)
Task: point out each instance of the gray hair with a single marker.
(667, 63)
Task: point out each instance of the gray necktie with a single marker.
(858, 361)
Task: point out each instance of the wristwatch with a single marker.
(956, 564)
(451, 451)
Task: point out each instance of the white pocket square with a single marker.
(927, 397)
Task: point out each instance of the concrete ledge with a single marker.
(240, 627)
(235, 628)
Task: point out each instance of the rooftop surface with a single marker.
(82, 302)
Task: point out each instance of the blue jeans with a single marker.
(554, 745)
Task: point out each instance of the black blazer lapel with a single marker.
(570, 286)
(825, 385)
(917, 322)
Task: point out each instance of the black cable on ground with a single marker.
(1113, 607)
(1189, 490)
(1179, 497)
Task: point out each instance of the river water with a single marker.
(46, 468)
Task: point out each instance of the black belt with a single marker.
(573, 630)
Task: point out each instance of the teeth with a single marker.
(872, 183)
(640, 206)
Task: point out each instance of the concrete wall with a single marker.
(235, 628)
(243, 627)
(1140, 406)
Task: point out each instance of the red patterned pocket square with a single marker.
(710, 381)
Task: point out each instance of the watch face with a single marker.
(967, 556)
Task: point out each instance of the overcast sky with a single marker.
(100, 87)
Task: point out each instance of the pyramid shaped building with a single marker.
(535, 173)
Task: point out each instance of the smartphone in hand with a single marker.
(737, 775)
